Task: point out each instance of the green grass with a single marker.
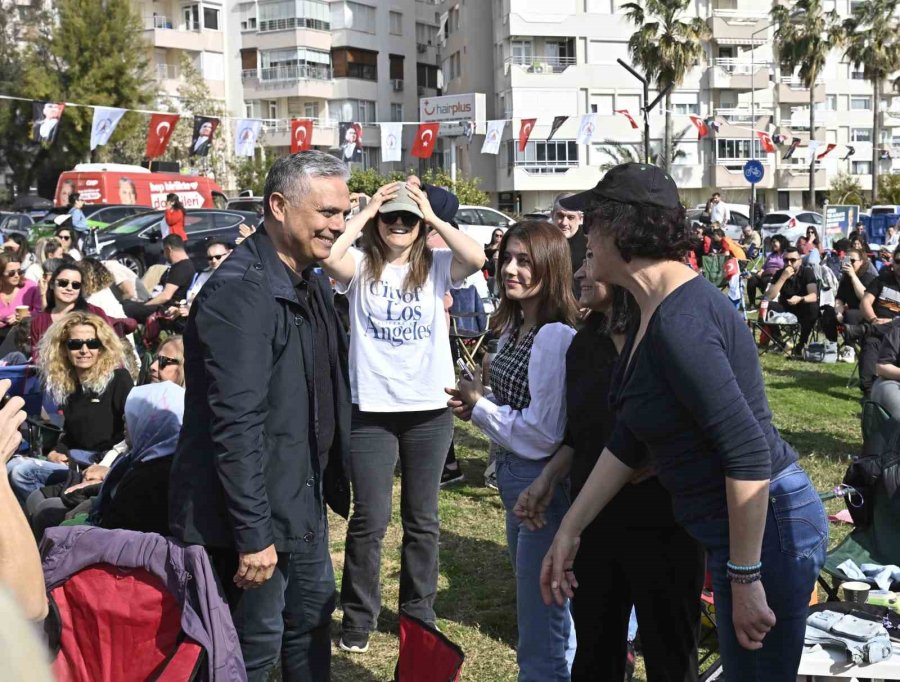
(812, 407)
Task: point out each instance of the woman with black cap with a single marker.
(689, 389)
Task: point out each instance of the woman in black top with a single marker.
(623, 549)
(689, 389)
(492, 252)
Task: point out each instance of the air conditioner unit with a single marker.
(421, 47)
(398, 84)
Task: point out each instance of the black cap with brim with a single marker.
(628, 183)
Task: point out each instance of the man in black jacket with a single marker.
(267, 423)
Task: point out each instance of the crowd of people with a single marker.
(313, 358)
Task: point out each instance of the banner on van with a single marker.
(204, 129)
(246, 133)
(105, 121)
(47, 116)
(160, 132)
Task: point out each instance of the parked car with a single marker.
(136, 241)
(791, 224)
(479, 222)
(249, 204)
(15, 222)
(739, 216)
(98, 216)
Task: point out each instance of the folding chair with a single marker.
(468, 324)
(426, 655)
(713, 268)
(786, 324)
(26, 384)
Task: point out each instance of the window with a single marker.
(396, 64)
(273, 108)
(454, 65)
(353, 16)
(396, 112)
(212, 66)
(291, 14)
(426, 34)
(685, 108)
(682, 103)
(396, 19)
(599, 7)
(861, 167)
(602, 104)
(545, 157)
(311, 110)
(728, 150)
(860, 134)
(427, 76)
(353, 110)
(211, 18)
(521, 51)
(350, 62)
(857, 73)
(861, 103)
(295, 63)
(453, 20)
(191, 14)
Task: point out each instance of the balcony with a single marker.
(890, 118)
(166, 32)
(278, 133)
(792, 91)
(306, 80)
(744, 115)
(797, 177)
(538, 64)
(738, 74)
(729, 174)
(167, 72)
(737, 27)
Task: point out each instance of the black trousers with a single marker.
(868, 355)
(659, 571)
(757, 282)
(807, 314)
(830, 322)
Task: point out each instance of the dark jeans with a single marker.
(830, 322)
(420, 439)
(793, 553)
(290, 614)
(659, 571)
(807, 314)
(757, 282)
(868, 354)
(139, 311)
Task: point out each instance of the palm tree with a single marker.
(618, 153)
(803, 37)
(666, 45)
(869, 37)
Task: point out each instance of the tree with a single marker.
(250, 172)
(804, 33)
(666, 45)
(845, 189)
(618, 153)
(889, 189)
(870, 39)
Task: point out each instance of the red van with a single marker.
(117, 183)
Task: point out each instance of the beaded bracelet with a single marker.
(744, 578)
(738, 568)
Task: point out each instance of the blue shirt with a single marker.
(79, 222)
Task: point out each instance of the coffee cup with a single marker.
(22, 311)
(856, 592)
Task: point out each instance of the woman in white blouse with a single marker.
(525, 417)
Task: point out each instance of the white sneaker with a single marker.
(490, 476)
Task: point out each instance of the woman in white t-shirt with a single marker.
(400, 363)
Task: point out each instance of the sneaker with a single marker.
(451, 476)
(847, 354)
(490, 476)
(355, 642)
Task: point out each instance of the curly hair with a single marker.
(642, 231)
(96, 276)
(59, 376)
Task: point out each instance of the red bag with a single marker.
(426, 655)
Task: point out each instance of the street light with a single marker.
(648, 106)
(753, 117)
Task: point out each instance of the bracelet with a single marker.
(744, 578)
(738, 568)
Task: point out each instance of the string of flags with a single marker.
(247, 131)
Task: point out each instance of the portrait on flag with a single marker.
(104, 125)
(246, 133)
(391, 134)
(47, 116)
(204, 129)
(159, 132)
(351, 142)
(301, 134)
(587, 129)
(492, 137)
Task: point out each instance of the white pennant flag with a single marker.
(245, 135)
(811, 151)
(587, 129)
(391, 135)
(492, 137)
(105, 121)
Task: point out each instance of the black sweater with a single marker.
(693, 394)
(96, 423)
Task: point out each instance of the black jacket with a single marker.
(246, 471)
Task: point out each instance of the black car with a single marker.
(136, 241)
(98, 215)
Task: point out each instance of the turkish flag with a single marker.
(426, 137)
(628, 115)
(525, 128)
(766, 143)
(702, 128)
(159, 133)
(830, 146)
(301, 134)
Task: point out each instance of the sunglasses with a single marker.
(792, 260)
(78, 344)
(68, 284)
(65, 237)
(164, 361)
(409, 219)
(213, 259)
(12, 273)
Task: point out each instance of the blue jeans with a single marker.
(27, 474)
(793, 553)
(546, 646)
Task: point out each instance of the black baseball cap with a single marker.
(628, 183)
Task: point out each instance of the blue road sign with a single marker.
(753, 171)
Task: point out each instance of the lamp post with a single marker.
(647, 105)
(755, 138)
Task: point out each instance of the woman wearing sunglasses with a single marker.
(81, 368)
(67, 238)
(19, 297)
(168, 365)
(400, 362)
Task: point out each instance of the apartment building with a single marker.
(538, 59)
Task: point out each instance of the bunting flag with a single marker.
(702, 128)
(159, 133)
(830, 146)
(47, 116)
(426, 138)
(246, 133)
(713, 124)
(557, 123)
(884, 155)
(492, 137)
(779, 139)
(790, 152)
(850, 152)
(469, 131)
(391, 134)
(766, 143)
(811, 148)
(301, 134)
(586, 129)
(628, 115)
(525, 128)
(201, 140)
(104, 124)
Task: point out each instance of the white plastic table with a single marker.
(820, 664)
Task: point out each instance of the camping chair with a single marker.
(26, 384)
(786, 324)
(468, 324)
(426, 655)
(713, 268)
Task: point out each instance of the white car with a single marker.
(739, 216)
(791, 224)
(479, 222)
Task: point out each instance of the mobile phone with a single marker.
(363, 202)
(464, 370)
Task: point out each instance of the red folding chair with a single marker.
(426, 655)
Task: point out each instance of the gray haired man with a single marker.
(569, 223)
(267, 423)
